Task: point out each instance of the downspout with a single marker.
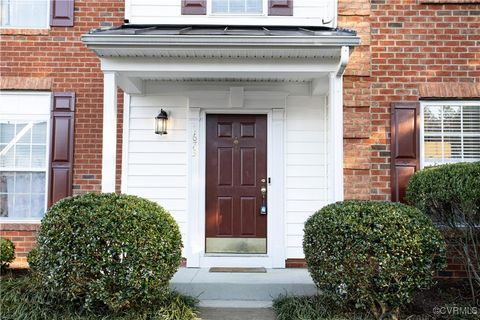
(335, 121)
(344, 58)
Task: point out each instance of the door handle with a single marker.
(263, 190)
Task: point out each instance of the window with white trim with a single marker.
(24, 13)
(237, 7)
(23, 156)
(451, 132)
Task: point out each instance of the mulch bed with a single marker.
(13, 273)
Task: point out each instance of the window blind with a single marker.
(451, 133)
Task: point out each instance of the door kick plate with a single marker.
(236, 245)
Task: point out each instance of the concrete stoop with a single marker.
(241, 290)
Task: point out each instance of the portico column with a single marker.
(195, 238)
(335, 130)
(109, 147)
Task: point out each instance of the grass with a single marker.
(451, 298)
(320, 307)
(23, 299)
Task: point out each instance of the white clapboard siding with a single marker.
(166, 192)
(157, 165)
(155, 181)
(295, 216)
(306, 182)
(163, 170)
(305, 13)
(295, 229)
(156, 146)
(157, 158)
(295, 251)
(306, 167)
(301, 159)
(305, 136)
(306, 194)
(146, 135)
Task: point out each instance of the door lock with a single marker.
(263, 190)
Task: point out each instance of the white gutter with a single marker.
(152, 41)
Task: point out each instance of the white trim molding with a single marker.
(31, 106)
(276, 170)
(195, 241)
(109, 140)
(196, 256)
(335, 141)
(125, 142)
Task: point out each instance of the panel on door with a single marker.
(236, 171)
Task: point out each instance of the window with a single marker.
(24, 13)
(451, 132)
(237, 6)
(23, 156)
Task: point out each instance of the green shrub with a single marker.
(32, 259)
(374, 254)
(450, 194)
(318, 307)
(25, 298)
(439, 191)
(7, 253)
(107, 251)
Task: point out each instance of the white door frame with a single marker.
(196, 256)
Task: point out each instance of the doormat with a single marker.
(238, 270)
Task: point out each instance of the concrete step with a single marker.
(246, 290)
(236, 314)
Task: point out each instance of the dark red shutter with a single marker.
(198, 7)
(62, 119)
(280, 7)
(61, 13)
(405, 146)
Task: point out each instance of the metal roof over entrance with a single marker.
(219, 41)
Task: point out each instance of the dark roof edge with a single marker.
(350, 32)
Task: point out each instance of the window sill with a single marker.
(19, 224)
(24, 31)
(13, 220)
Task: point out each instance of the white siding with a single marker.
(305, 13)
(157, 165)
(306, 172)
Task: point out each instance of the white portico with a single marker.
(292, 76)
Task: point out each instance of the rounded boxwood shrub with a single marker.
(372, 254)
(7, 253)
(450, 194)
(446, 191)
(107, 251)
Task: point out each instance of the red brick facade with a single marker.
(409, 49)
(415, 44)
(420, 49)
(56, 60)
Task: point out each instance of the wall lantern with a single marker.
(161, 122)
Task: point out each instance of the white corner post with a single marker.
(276, 219)
(335, 128)
(109, 147)
(194, 234)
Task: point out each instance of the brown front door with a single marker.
(236, 171)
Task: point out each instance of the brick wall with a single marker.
(417, 44)
(56, 60)
(420, 49)
(356, 15)
(408, 48)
